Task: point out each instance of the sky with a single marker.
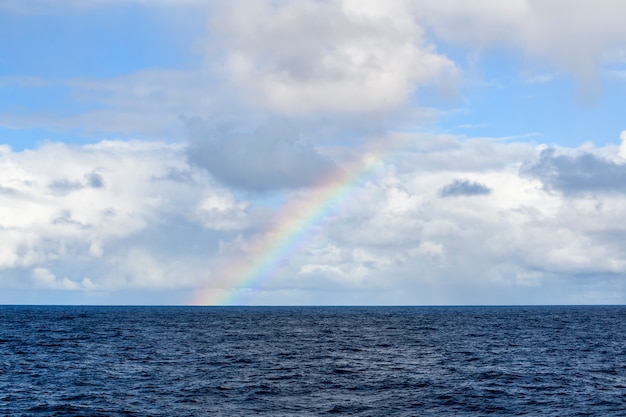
(312, 152)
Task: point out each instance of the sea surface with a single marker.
(309, 361)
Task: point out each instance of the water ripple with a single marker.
(159, 361)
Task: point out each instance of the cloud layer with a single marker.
(138, 215)
(76, 216)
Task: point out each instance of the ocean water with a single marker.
(288, 361)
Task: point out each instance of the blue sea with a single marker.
(309, 361)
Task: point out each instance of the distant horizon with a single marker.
(314, 306)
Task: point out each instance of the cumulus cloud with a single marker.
(273, 156)
(160, 223)
(464, 188)
(42, 278)
(577, 174)
(68, 214)
(338, 56)
(395, 231)
(221, 211)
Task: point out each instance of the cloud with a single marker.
(64, 186)
(273, 156)
(141, 215)
(160, 223)
(335, 60)
(328, 57)
(42, 278)
(95, 180)
(578, 37)
(76, 212)
(528, 237)
(221, 211)
(580, 174)
(464, 188)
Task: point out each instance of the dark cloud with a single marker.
(65, 218)
(576, 175)
(9, 191)
(274, 156)
(176, 175)
(64, 186)
(464, 188)
(94, 180)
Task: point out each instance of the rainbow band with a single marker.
(292, 228)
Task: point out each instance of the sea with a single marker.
(312, 361)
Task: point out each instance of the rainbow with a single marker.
(293, 226)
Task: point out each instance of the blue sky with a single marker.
(150, 147)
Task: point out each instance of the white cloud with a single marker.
(220, 211)
(397, 232)
(578, 37)
(156, 223)
(42, 278)
(74, 211)
(298, 58)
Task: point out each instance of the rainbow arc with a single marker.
(293, 226)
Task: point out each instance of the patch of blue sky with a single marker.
(265, 199)
(505, 96)
(44, 54)
(30, 138)
(26, 109)
(52, 96)
(550, 109)
(94, 42)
